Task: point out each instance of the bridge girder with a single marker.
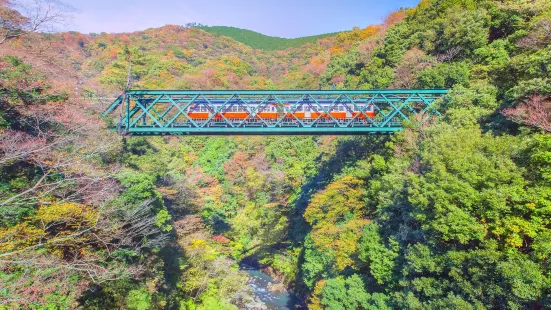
(266, 112)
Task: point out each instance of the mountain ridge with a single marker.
(262, 41)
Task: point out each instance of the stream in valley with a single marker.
(269, 291)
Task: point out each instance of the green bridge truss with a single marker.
(266, 112)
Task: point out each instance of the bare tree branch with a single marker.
(21, 17)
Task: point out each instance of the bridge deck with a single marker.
(264, 112)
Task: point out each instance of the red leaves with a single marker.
(394, 18)
(535, 112)
(221, 239)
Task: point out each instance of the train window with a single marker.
(307, 108)
(341, 108)
(299, 108)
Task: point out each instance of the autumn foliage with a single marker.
(451, 215)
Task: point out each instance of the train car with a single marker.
(275, 111)
(237, 112)
(267, 112)
(198, 112)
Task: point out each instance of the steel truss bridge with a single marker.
(266, 112)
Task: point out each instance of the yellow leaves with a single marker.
(71, 214)
(19, 236)
(514, 231)
(514, 240)
(315, 299)
(198, 243)
(532, 6)
(254, 180)
(231, 60)
(259, 83)
(50, 225)
(189, 158)
(204, 250)
(342, 239)
(340, 198)
(336, 218)
(188, 53)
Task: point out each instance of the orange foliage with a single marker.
(336, 50)
(370, 31)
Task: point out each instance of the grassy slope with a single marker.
(260, 41)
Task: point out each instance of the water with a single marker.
(261, 282)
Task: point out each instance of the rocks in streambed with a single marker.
(277, 288)
(256, 305)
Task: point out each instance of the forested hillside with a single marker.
(455, 214)
(259, 40)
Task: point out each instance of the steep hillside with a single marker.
(260, 41)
